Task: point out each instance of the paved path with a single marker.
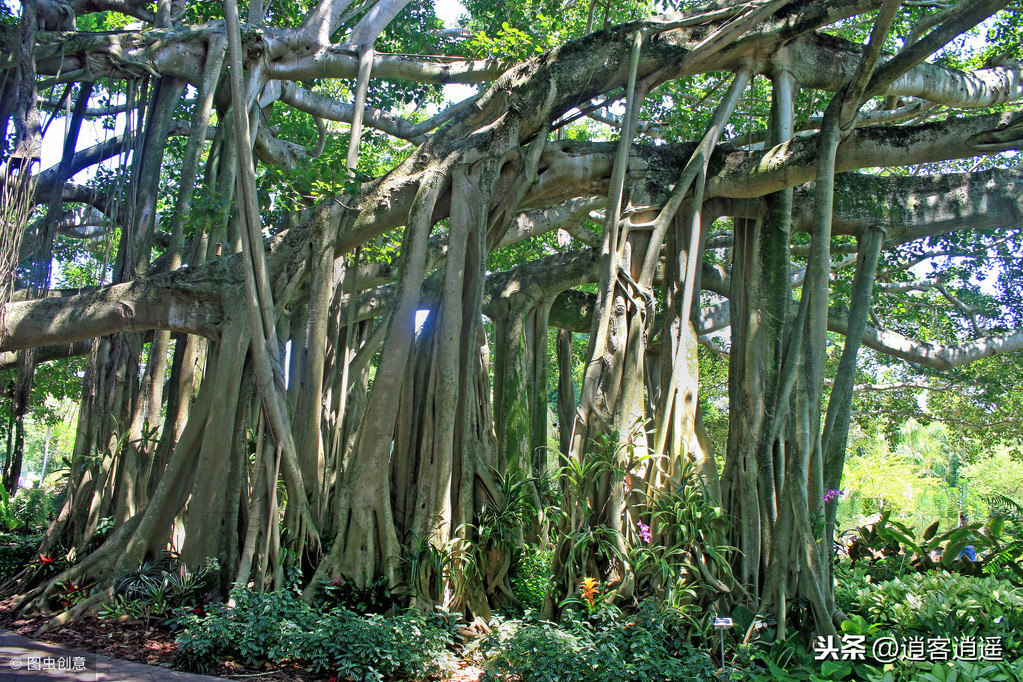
(24, 660)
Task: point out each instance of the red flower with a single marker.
(43, 559)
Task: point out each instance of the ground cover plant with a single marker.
(651, 643)
(280, 627)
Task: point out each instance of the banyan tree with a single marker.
(278, 208)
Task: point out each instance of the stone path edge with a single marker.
(20, 651)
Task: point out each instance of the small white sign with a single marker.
(722, 622)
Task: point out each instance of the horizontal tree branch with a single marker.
(820, 60)
(9, 359)
(133, 8)
(934, 355)
(339, 62)
(169, 301)
(333, 110)
(901, 385)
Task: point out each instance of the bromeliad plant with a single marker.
(681, 555)
(585, 546)
(670, 542)
(594, 599)
(155, 588)
(50, 563)
(71, 593)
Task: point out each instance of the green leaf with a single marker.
(996, 525)
(838, 670)
(855, 625)
(743, 617)
(952, 551)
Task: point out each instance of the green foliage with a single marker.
(97, 22)
(789, 660)
(686, 529)
(279, 626)
(997, 478)
(154, 589)
(427, 567)
(48, 565)
(531, 574)
(581, 480)
(936, 605)
(499, 526)
(520, 29)
(888, 548)
(674, 541)
(376, 597)
(16, 552)
(595, 599)
(959, 671)
(500, 523)
(71, 592)
(884, 610)
(650, 644)
(917, 482)
(508, 43)
(9, 521)
(32, 508)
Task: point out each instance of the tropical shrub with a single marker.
(279, 626)
(31, 506)
(650, 644)
(936, 605)
(531, 575)
(16, 551)
(9, 522)
(888, 548)
(378, 596)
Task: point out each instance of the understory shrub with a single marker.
(8, 521)
(889, 548)
(280, 627)
(16, 552)
(937, 605)
(650, 644)
(32, 507)
(790, 661)
(531, 575)
(378, 596)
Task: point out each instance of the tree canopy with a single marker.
(704, 237)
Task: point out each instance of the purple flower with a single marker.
(832, 495)
(644, 533)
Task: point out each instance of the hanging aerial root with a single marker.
(612, 245)
(366, 545)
